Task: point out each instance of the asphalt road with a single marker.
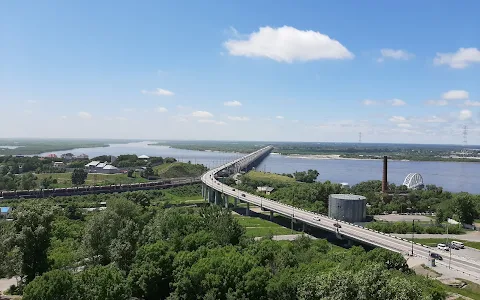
(347, 230)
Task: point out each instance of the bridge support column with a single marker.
(271, 215)
(217, 197)
(211, 195)
(235, 202)
(247, 211)
(225, 200)
(303, 227)
(349, 243)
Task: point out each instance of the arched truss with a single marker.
(413, 180)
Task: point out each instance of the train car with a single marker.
(9, 194)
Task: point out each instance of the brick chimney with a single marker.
(385, 179)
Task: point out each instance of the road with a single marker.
(347, 230)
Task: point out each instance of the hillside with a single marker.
(179, 169)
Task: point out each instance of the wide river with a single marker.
(452, 176)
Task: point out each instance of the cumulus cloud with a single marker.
(369, 102)
(437, 102)
(288, 44)
(394, 54)
(455, 95)
(465, 114)
(435, 119)
(404, 125)
(472, 103)
(158, 92)
(84, 115)
(238, 118)
(212, 122)
(396, 102)
(161, 109)
(397, 119)
(232, 103)
(279, 117)
(460, 59)
(201, 114)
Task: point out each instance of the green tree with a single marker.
(53, 285)
(79, 176)
(102, 283)
(152, 272)
(33, 227)
(464, 207)
(148, 172)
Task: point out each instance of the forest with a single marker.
(135, 248)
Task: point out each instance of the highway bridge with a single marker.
(217, 193)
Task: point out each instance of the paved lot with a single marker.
(399, 218)
(6, 283)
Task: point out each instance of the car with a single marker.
(442, 247)
(316, 218)
(460, 245)
(436, 256)
(233, 190)
(243, 195)
(453, 246)
(337, 225)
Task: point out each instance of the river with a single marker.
(452, 176)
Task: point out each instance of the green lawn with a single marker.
(435, 241)
(471, 290)
(261, 176)
(65, 179)
(179, 169)
(256, 227)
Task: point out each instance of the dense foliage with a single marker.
(132, 249)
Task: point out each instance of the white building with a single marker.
(143, 157)
(266, 189)
(109, 169)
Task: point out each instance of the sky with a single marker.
(321, 71)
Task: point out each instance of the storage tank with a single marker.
(347, 207)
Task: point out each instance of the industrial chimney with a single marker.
(385, 180)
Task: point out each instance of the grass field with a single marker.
(261, 176)
(471, 290)
(178, 170)
(256, 227)
(434, 242)
(65, 179)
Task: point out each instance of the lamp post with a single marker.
(449, 250)
(413, 233)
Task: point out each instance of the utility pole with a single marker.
(359, 137)
(413, 233)
(449, 250)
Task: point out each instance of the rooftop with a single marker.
(92, 163)
(143, 157)
(348, 197)
(4, 209)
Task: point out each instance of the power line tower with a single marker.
(359, 137)
(465, 143)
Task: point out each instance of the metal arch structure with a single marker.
(413, 181)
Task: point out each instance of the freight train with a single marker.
(97, 189)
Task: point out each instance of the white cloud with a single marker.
(460, 59)
(465, 114)
(211, 122)
(280, 117)
(180, 119)
(31, 101)
(84, 115)
(232, 103)
(395, 54)
(161, 109)
(472, 103)
(398, 119)
(455, 95)
(404, 125)
(295, 121)
(369, 102)
(437, 102)
(435, 119)
(201, 114)
(158, 92)
(288, 44)
(396, 102)
(63, 117)
(238, 118)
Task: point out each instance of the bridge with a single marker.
(413, 181)
(218, 193)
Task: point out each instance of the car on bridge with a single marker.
(337, 225)
(436, 256)
(443, 247)
(316, 218)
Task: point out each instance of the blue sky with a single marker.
(241, 70)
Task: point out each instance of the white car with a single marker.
(316, 218)
(442, 247)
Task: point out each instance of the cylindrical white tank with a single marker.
(347, 207)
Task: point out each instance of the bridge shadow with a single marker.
(298, 227)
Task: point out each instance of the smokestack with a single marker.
(385, 180)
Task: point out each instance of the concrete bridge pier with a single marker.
(225, 200)
(271, 215)
(235, 202)
(247, 211)
(218, 197)
(211, 195)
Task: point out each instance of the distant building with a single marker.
(67, 156)
(113, 159)
(51, 155)
(347, 207)
(101, 167)
(143, 157)
(81, 156)
(109, 169)
(58, 164)
(265, 189)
